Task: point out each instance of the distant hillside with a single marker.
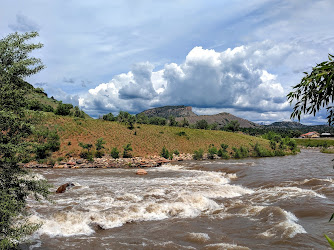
(38, 100)
(181, 112)
(145, 139)
(167, 111)
(222, 119)
(288, 124)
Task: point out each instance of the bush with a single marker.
(99, 154)
(126, 153)
(261, 152)
(87, 155)
(173, 122)
(223, 154)
(273, 145)
(109, 117)
(142, 118)
(279, 153)
(224, 147)
(78, 113)
(198, 154)
(176, 152)
(165, 153)
(48, 108)
(114, 153)
(48, 142)
(87, 146)
(202, 124)
(212, 151)
(53, 141)
(63, 109)
(157, 121)
(232, 126)
(241, 152)
(99, 144)
(181, 133)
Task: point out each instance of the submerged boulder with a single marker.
(141, 172)
(63, 187)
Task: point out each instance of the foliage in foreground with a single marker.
(15, 184)
(314, 92)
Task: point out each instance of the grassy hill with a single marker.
(145, 139)
(38, 100)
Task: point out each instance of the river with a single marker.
(254, 203)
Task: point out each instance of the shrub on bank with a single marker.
(241, 152)
(212, 151)
(165, 153)
(222, 152)
(261, 152)
(198, 154)
(114, 153)
(127, 151)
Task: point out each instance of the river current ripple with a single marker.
(255, 203)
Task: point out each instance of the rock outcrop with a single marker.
(167, 111)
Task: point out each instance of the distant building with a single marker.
(313, 134)
(326, 135)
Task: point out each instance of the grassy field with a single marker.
(315, 142)
(146, 140)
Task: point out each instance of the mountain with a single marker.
(167, 111)
(185, 112)
(222, 119)
(287, 124)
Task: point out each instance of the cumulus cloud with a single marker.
(237, 79)
(24, 24)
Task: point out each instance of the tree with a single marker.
(63, 109)
(232, 126)
(99, 144)
(315, 91)
(109, 117)
(172, 121)
(185, 123)
(15, 184)
(123, 116)
(126, 153)
(202, 124)
(87, 146)
(142, 118)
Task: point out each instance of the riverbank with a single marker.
(108, 162)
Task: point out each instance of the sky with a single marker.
(241, 57)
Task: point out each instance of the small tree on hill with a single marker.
(202, 124)
(127, 151)
(232, 126)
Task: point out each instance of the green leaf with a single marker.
(331, 217)
(331, 243)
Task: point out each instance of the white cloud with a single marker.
(235, 78)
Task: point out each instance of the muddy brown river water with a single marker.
(255, 203)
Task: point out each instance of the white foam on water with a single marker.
(198, 237)
(225, 246)
(283, 193)
(121, 200)
(287, 228)
(63, 224)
